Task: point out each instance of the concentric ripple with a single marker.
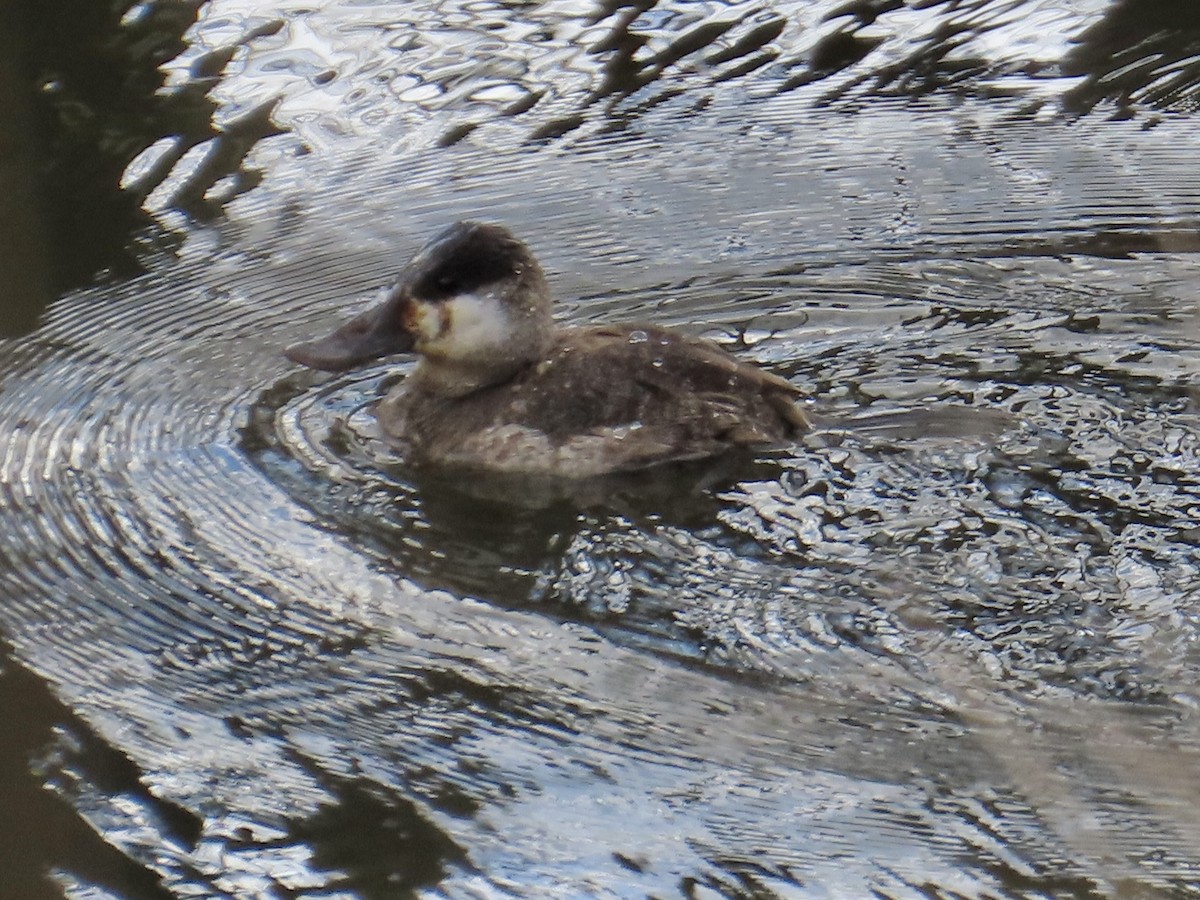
(964, 547)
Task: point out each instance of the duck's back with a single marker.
(604, 399)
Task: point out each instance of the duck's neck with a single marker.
(449, 378)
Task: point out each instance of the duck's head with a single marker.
(473, 303)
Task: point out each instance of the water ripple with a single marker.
(946, 643)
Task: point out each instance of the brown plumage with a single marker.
(499, 388)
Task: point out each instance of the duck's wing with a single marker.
(696, 365)
(678, 391)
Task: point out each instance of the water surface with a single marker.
(945, 646)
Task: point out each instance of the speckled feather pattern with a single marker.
(603, 399)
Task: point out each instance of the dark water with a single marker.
(946, 646)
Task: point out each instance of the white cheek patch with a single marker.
(466, 326)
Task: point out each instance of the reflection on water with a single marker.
(1138, 54)
(86, 98)
(40, 731)
(943, 646)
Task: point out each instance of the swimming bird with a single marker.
(499, 387)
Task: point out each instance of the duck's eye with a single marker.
(446, 284)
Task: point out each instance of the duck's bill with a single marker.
(377, 332)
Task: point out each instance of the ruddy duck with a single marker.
(499, 388)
